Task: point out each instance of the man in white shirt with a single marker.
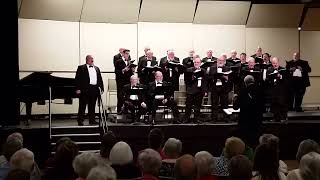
(89, 85)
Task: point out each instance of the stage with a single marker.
(195, 137)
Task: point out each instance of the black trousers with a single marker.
(170, 103)
(219, 96)
(88, 98)
(296, 96)
(119, 98)
(135, 108)
(194, 102)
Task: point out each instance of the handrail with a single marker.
(50, 120)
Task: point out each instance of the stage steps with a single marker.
(88, 138)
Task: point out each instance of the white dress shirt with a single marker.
(92, 74)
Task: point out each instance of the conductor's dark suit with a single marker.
(89, 92)
(122, 78)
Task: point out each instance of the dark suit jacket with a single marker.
(232, 62)
(125, 93)
(83, 79)
(146, 75)
(116, 57)
(213, 77)
(152, 90)
(145, 57)
(166, 73)
(304, 81)
(206, 59)
(187, 62)
(257, 58)
(192, 82)
(122, 78)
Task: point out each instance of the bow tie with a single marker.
(159, 82)
(90, 66)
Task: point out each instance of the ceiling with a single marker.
(254, 13)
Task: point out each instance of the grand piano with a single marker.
(41, 86)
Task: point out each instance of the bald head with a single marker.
(146, 49)
(233, 54)
(134, 80)
(275, 62)
(89, 59)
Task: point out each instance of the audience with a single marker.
(60, 166)
(150, 162)
(107, 142)
(172, 149)
(102, 172)
(18, 174)
(185, 168)
(155, 140)
(206, 166)
(121, 158)
(266, 163)
(233, 146)
(10, 147)
(240, 168)
(83, 163)
(307, 146)
(309, 168)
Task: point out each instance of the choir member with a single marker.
(146, 68)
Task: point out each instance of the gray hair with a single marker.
(251, 59)
(121, 154)
(150, 161)
(22, 159)
(172, 148)
(84, 162)
(249, 79)
(185, 168)
(268, 138)
(310, 166)
(102, 173)
(10, 147)
(205, 162)
(15, 135)
(307, 146)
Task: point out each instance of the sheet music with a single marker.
(134, 97)
(218, 83)
(297, 73)
(159, 97)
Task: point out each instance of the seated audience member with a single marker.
(100, 172)
(18, 174)
(233, 146)
(83, 163)
(266, 163)
(240, 168)
(172, 149)
(274, 140)
(150, 162)
(309, 168)
(108, 141)
(15, 135)
(155, 141)
(10, 147)
(185, 168)
(60, 166)
(24, 159)
(121, 158)
(206, 166)
(307, 146)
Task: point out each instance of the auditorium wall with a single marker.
(46, 45)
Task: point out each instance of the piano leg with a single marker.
(28, 113)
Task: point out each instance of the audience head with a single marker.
(233, 53)
(240, 168)
(170, 53)
(269, 139)
(10, 147)
(172, 148)
(134, 80)
(248, 80)
(149, 54)
(243, 57)
(108, 141)
(266, 160)
(22, 159)
(150, 161)
(266, 57)
(307, 146)
(185, 168)
(18, 174)
(100, 172)
(233, 146)
(121, 154)
(158, 76)
(155, 139)
(205, 162)
(146, 49)
(15, 135)
(275, 62)
(209, 53)
(66, 152)
(89, 60)
(251, 62)
(310, 166)
(197, 62)
(296, 56)
(84, 162)
(126, 54)
(191, 53)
